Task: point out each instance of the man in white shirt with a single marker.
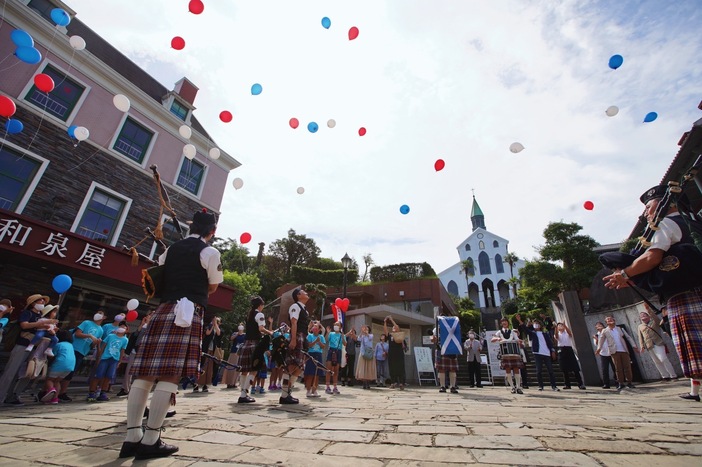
(613, 337)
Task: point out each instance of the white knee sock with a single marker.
(244, 384)
(695, 386)
(136, 403)
(518, 379)
(452, 378)
(160, 403)
(508, 377)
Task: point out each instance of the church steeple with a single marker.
(476, 215)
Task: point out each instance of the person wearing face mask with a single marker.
(544, 352)
(381, 361)
(5, 311)
(255, 326)
(28, 322)
(566, 355)
(651, 340)
(510, 357)
(366, 369)
(87, 336)
(336, 340)
(236, 340)
(472, 346)
(131, 350)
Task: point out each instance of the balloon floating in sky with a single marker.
(651, 116)
(121, 102)
(214, 153)
(178, 43)
(21, 38)
(331, 123)
(60, 17)
(612, 110)
(312, 127)
(72, 131)
(44, 82)
(189, 151)
(62, 283)
(245, 238)
(225, 116)
(132, 304)
(353, 33)
(196, 7)
(7, 107)
(81, 133)
(28, 55)
(238, 183)
(361, 131)
(14, 126)
(256, 89)
(294, 123)
(77, 42)
(185, 131)
(300, 190)
(615, 61)
(404, 209)
(589, 205)
(516, 147)
(439, 165)
(131, 316)
(326, 22)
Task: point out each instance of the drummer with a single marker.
(511, 360)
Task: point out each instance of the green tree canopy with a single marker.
(295, 249)
(245, 286)
(235, 257)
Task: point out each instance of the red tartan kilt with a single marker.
(446, 364)
(169, 350)
(295, 357)
(685, 315)
(511, 362)
(246, 356)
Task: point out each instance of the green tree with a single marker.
(512, 259)
(295, 249)
(368, 262)
(468, 316)
(235, 257)
(245, 286)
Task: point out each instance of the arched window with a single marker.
(467, 247)
(499, 267)
(452, 288)
(484, 264)
(496, 244)
(481, 245)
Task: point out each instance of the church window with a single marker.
(484, 264)
(496, 244)
(467, 247)
(452, 288)
(481, 245)
(499, 267)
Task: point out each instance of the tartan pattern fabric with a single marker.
(167, 349)
(246, 356)
(511, 362)
(295, 357)
(445, 364)
(685, 316)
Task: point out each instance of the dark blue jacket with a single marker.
(534, 338)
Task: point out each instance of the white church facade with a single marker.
(489, 282)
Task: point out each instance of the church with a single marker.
(482, 273)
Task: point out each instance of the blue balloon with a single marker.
(14, 126)
(21, 38)
(615, 61)
(62, 283)
(312, 127)
(256, 89)
(326, 22)
(71, 131)
(60, 17)
(404, 209)
(651, 116)
(28, 55)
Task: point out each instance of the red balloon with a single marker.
(225, 116)
(589, 205)
(361, 131)
(245, 238)
(196, 7)
(44, 83)
(7, 106)
(337, 302)
(353, 33)
(439, 164)
(132, 315)
(294, 123)
(345, 305)
(178, 43)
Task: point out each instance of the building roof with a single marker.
(475, 210)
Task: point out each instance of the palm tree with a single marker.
(468, 268)
(512, 259)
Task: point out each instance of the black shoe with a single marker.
(620, 387)
(121, 393)
(246, 400)
(204, 388)
(514, 390)
(472, 386)
(690, 397)
(128, 449)
(288, 400)
(169, 414)
(582, 386)
(566, 387)
(479, 386)
(630, 386)
(343, 383)
(524, 386)
(454, 390)
(606, 386)
(555, 389)
(443, 389)
(158, 449)
(65, 397)
(519, 391)
(16, 402)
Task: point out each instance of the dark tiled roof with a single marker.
(124, 66)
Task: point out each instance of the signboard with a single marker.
(422, 356)
(493, 349)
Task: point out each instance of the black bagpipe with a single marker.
(279, 350)
(681, 266)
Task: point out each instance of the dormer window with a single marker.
(179, 110)
(178, 106)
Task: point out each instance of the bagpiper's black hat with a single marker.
(204, 218)
(656, 192)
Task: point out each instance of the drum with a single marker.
(510, 348)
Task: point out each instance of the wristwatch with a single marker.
(624, 274)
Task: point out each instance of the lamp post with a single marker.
(346, 262)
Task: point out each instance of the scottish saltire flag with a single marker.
(450, 335)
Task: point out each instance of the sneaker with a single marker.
(261, 390)
(158, 449)
(65, 397)
(91, 397)
(620, 387)
(443, 389)
(541, 388)
(454, 390)
(246, 400)
(582, 386)
(555, 389)
(54, 401)
(343, 383)
(204, 389)
(253, 390)
(630, 386)
(102, 397)
(566, 387)
(49, 396)
(328, 390)
(519, 391)
(16, 402)
(606, 386)
(29, 348)
(49, 353)
(122, 393)
(196, 388)
(314, 394)
(690, 397)
(288, 400)
(309, 394)
(336, 391)
(271, 387)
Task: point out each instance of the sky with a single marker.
(443, 79)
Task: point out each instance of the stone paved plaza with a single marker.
(648, 425)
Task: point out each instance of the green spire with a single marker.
(476, 216)
(476, 211)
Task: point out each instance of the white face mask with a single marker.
(38, 307)
(97, 317)
(3, 308)
(336, 328)
(537, 326)
(144, 326)
(240, 328)
(472, 336)
(120, 318)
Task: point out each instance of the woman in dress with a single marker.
(365, 370)
(396, 353)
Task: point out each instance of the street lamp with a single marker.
(346, 262)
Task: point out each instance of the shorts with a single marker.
(57, 374)
(334, 356)
(106, 368)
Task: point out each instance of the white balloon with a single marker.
(81, 133)
(331, 123)
(77, 42)
(300, 190)
(516, 147)
(121, 102)
(612, 110)
(214, 154)
(189, 151)
(132, 304)
(185, 131)
(238, 183)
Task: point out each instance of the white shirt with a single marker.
(668, 233)
(564, 339)
(294, 312)
(543, 346)
(604, 350)
(209, 260)
(260, 319)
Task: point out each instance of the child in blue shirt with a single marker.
(315, 346)
(113, 347)
(64, 363)
(337, 340)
